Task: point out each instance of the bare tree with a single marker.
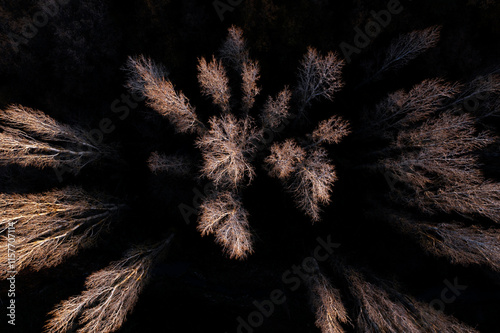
(439, 152)
(376, 311)
(111, 294)
(384, 309)
(401, 109)
(52, 226)
(284, 158)
(439, 164)
(234, 49)
(326, 300)
(226, 148)
(312, 183)
(223, 214)
(31, 138)
(249, 76)
(467, 199)
(307, 171)
(460, 244)
(214, 82)
(331, 130)
(276, 109)
(480, 96)
(234, 52)
(173, 164)
(319, 77)
(148, 79)
(409, 46)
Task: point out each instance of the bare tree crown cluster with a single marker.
(370, 304)
(229, 142)
(435, 162)
(52, 226)
(433, 139)
(431, 154)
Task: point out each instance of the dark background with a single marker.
(72, 70)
